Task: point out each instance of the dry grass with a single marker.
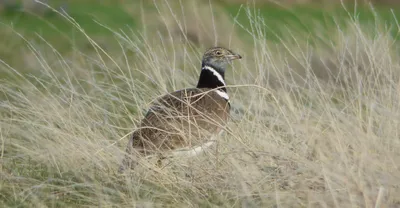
(312, 125)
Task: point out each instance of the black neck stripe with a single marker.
(211, 78)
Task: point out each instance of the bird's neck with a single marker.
(211, 77)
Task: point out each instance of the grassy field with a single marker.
(315, 118)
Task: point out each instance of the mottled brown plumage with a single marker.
(188, 118)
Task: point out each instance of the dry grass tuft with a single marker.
(312, 125)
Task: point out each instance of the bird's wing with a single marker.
(175, 117)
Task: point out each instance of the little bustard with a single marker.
(184, 122)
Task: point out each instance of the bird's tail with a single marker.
(127, 162)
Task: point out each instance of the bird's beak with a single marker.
(234, 56)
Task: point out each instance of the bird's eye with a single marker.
(218, 53)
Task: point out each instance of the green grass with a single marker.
(309, 19)
(61, 33)
(95, 19)
(84, 13)
(303, 18)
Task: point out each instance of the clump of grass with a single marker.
(312, 125)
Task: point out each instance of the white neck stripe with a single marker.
(222, 94)
(218, 75)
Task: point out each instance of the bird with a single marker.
(185, 122)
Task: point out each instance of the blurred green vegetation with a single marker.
(310, 19)
(52, 26)
(112, 14)
(94, 17)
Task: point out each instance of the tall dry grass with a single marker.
(313, 125)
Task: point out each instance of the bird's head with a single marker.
(219, 58)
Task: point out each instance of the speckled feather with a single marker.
(180, 119)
